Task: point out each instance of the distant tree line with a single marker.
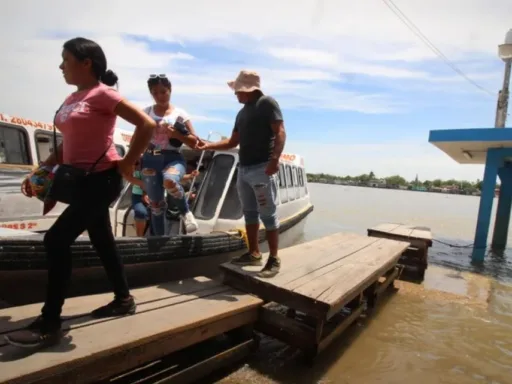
(395, 180)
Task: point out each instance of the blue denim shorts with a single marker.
(140, 211)
(258, 195)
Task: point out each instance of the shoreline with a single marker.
(459, 193)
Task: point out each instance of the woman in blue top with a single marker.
(163, 166)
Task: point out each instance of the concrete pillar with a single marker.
(501, 224)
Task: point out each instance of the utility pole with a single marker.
(505, 53)
(503, 95)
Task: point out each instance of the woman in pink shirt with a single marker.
(87, 121)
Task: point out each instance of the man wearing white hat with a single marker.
(259, 130)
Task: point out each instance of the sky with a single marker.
(359, 91)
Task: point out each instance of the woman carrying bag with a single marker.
(87, 175)
(163, 164)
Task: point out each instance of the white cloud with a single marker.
(308, 54)
(312, 57)
(331, 61)
(457, 25)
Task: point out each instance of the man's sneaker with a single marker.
(38, 334)
(271, 268)
(118, 307)
(248, 259)
(190, 222)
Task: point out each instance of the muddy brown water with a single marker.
(455, 328)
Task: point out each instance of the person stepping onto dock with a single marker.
(87, 121)
(259, 130)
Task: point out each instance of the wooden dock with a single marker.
(151, 344)
(415, 258)
(325, 285)
(185, 330)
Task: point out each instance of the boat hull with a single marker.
(147, 261)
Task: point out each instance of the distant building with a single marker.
(377, 183)
(451, 189)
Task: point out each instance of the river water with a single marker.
(455, 328)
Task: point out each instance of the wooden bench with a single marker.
(324, 285)
(415, 258)
(170, 318)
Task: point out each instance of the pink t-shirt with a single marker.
(87, 122)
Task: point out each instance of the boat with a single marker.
(148, 260)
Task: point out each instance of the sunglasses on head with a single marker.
(154, 77)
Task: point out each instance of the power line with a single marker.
(413, 28)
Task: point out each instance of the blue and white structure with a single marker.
(492, 147)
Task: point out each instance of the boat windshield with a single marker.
(232, 207)
(213, 186)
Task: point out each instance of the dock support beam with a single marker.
(501, 225)
(485, 208)
(495, 163)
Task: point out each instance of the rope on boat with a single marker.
(241, 234)
(453, 245)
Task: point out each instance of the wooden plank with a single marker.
(80, 365)
(368, 266)
(421, 234)
(390, 278)
(177, 362)
(268, 293)
(319, 274)
(324, 263)
(403, 230)
(350, 279)
(79, 307)
(386, 227)
(308, 287)
(197, 371)
(300, 256)
(119, 344)
(361, 273)
(300, 335)
(395, 229)
(290, 331)
(340, 328)
(245, 278)
(307, 257)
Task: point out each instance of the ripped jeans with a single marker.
(258, 195)
(163, 171)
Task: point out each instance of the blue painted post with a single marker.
(501, 225)
(486, 199)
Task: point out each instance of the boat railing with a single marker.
(200, 162)
(117, 203)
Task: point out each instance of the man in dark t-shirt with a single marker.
(259, 130)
